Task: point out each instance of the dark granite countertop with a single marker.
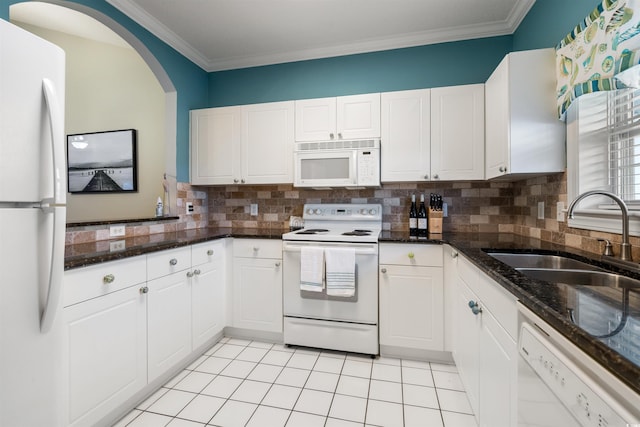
(542, 298)
(537, 296)
(85, 254)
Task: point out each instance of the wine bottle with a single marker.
(413, 217)
(422, 218)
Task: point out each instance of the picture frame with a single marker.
(102, 162)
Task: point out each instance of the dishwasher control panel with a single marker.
(585, 399)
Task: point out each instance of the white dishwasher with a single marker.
(560, 385)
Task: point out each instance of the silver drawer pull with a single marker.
(144, 290)
(384, 270)
(196, 272)
(210, 252)
(277, 264)
(189, 274)
(109, 278)
(454, 254)
(173, 261)
(256, 248)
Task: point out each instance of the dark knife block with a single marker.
(435, 221)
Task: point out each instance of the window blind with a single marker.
(623, 128)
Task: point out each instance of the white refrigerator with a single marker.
(33, 366)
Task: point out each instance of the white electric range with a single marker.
(315, 319)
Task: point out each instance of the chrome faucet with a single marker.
(625, 247)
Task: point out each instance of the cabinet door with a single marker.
(257, 294)
(267, 143)
(457, 132)
(498, 368)
(358, 116)
(466, 342)
(215, 145)
(208, 300)
(107, 353)
(405, 135)
(411, 307)
(169, 317)
(315, 119)
(497, 121)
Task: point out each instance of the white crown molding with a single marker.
(139, 15)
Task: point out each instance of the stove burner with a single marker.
(357, 233)
(313, 231)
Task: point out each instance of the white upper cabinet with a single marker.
(344, 117)
(215, 145)
(267, 143)
(457, 132)
(524, 136)
(405, 135)
(249, 144)
(433, 134)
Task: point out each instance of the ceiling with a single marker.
(230, 34)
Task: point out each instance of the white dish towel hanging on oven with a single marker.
(341, 271)
(311, 269)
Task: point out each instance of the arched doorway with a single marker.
(113, 81)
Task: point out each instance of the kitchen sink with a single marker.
(529, 260)
(581, 277)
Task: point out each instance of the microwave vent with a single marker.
(337, 145)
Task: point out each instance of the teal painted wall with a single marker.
(190, 81)
(444, 64)
(549, 21)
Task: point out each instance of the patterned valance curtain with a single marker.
(603, 45)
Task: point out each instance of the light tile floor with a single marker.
(251, 383)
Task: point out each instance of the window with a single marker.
(623, 125)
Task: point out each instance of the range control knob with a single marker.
(372, 211)
(363, 211)
(317, 211)
(309, 211)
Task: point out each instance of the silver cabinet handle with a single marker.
(383, 270)
(502, 169)
(475, 308)
(454, 254)
(256, 248)
(242, 181)
(210, 252)
(109, 278)
(339, 135)
(235, 180)
(189, 274)
(173, 261)
(196, 272)
(144, 290)
(426, 176)
(435, 176)
(277, 264)
(331, 135)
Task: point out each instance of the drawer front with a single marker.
(89, 282)
(207, 252)
(167, 262)
(409, 254)
(257, 248)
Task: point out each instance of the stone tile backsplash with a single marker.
(474, 206)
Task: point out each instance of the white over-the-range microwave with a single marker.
(339, 163)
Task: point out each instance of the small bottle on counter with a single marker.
(422, 218)
(159, 208)
(413, 217)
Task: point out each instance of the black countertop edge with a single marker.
(122, 221)
(86, 254)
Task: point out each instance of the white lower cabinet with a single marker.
(484, 345)
(107, 340)
(411, 297)
(208, 299)
(257, 285)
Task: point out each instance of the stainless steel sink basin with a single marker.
(528, 260)
(581, 277)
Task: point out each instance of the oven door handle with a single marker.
(361, 249)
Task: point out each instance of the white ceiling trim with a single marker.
(158, 29)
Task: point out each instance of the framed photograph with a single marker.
(102, 162)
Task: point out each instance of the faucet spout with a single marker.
(625, 250)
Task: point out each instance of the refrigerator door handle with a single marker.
(55, 271)
(56, 120)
